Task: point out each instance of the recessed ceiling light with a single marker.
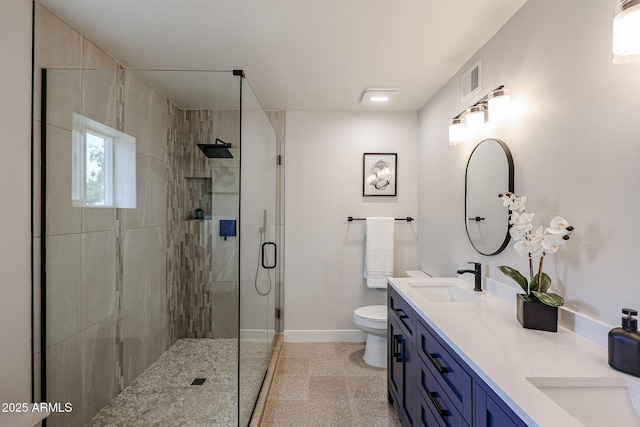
(379, 96)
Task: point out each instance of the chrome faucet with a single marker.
(477, 271)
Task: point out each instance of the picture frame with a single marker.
(379, 174)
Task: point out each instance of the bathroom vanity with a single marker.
(460, 358)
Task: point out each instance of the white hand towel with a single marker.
(378, 257)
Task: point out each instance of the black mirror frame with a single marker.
(511, 189)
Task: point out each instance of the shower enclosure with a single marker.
(159, 278)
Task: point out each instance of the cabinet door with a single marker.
(394, 360)
(492, 413)
(411, 373)
(402, 372)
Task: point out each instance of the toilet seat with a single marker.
(371, 316)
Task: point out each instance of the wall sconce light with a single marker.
(469, 122)
(626, 32)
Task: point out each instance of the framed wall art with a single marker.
(379, 172)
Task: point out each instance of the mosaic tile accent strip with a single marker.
(194, 182)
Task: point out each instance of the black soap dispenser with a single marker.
(624, 345)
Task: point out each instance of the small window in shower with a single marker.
(98, 182)
(104, 165)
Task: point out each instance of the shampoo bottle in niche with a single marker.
(624, 345)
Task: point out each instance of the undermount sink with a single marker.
(598, 401)
(442, 292)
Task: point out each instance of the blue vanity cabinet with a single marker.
(490, 410)
(435, 406)
(430, 384)
(463, 397)
(402, 359)
(444, 384)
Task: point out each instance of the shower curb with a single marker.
(263, 397)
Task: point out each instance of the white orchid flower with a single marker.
(525, 222)
(535, 248)
(516, 234)
(559, 239)
(513, 218)
(536, 235)
(517, 203)
(535, 243)
(521, 247)
(558, 226)
(550, 244)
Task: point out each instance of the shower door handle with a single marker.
(275, 255)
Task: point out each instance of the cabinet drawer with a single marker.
(455, 381)
(437, 409)
(402, 312)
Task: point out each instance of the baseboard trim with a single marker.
(257, 335)
(325, 336)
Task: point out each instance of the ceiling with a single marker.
(298, 54)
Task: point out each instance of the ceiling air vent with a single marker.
(472, 80)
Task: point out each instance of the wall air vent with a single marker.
(472, 80)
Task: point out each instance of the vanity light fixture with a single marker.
(456, 131)
(469, 122)
(379, 96)
(474, 118)
(626, 32)
(499, 105)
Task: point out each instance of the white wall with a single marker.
(323, 186)
(575, 139)
(15, 216)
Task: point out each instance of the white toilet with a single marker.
(372, 319)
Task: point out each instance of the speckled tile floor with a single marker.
(328, 384)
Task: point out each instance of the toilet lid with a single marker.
(372, 312)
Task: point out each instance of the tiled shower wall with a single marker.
(203, 274)
(106, 268)
(124, 284)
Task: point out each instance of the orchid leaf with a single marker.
(515, 275)
(544, 286)
(550, 299)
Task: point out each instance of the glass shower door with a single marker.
(154, 252)
(258, 248)
(87, 165)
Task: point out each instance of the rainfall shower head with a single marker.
(219, 150)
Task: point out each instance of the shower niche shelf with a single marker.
(197, 194)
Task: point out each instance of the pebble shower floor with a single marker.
(163, 395)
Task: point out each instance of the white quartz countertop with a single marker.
(488, 337)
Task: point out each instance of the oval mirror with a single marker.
(489, 173)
